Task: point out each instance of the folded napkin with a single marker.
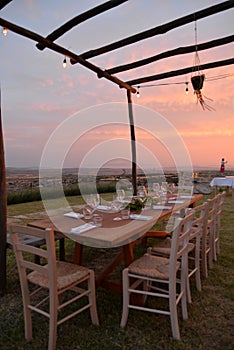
(103, 207)
(186, 196)
(140, 217)
(82, 228)
(175, 202)
(161, 207)
(74, 215)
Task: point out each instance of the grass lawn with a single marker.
(211, 314)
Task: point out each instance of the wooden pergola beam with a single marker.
(162, 29)
(3, 211)
(178, 51)
(79, 19)
(61, 50)
(180, 72)
(3, 3)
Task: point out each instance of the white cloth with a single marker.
(222, 181)
(161, 207)
(176, 202)
(140, 217)
(103, 207)
(74, 215)
(82, 228)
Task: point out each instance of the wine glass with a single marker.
(120, 195)
(164, 188)
(156, 189)
(93, 200)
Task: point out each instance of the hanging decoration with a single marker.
(198, 78)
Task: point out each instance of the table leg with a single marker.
(78, 254)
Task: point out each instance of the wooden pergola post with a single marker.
(3, 212)
(133, 142)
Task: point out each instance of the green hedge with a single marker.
(52, 192)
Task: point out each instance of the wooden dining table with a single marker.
(123, 233)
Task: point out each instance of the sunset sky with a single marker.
(38, 94)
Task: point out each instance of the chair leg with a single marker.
(27, 323)
(92, 298)
(183, 290)
(126, 299)
(174, 314)
(189, 298)
(197, 266)
(53, 321)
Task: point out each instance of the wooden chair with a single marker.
(54, 276)
(158, 277)
(207, 246)
(37, 242)
(216, 245)
(163, 248)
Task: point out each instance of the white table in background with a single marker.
(223, 182)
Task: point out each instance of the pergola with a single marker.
(109, 74)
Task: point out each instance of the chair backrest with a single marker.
(24, 254)
(179, 244)
(200, 220)
(220, 201)
(213, 206)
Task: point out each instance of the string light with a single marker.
(4, 31)
(138, 92)
(64, 62)
(217, 77)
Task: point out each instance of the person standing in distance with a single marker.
(222, 166)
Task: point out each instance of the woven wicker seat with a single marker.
(157, 277)
(56, 277)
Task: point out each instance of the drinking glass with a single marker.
(120, 195)
(164, 188)
(93, 200)
(156, 189)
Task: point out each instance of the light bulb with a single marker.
(138, 92)
(4, 31)
(64, 63)
(186, 90)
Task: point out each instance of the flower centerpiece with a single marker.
(136, 205)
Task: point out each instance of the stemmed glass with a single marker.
(93, 200)
(164, 188)
(156, 189)
(120, 195)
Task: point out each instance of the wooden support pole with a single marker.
(3, 211)
(133, 143)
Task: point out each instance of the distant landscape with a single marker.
(18, 179)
